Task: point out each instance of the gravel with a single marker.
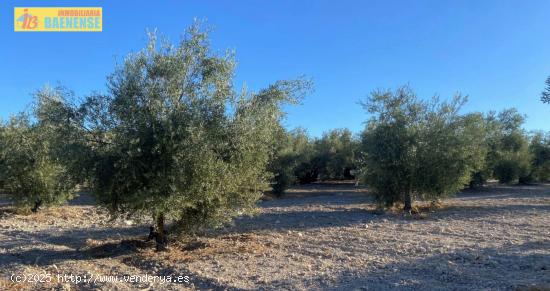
(317, 237)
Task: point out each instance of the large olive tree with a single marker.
(174, 140)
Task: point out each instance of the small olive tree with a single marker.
(417, 149)
(172, 138)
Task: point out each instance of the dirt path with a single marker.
(320, 237)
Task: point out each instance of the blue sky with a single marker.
(497, 52)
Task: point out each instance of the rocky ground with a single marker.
(318, 237)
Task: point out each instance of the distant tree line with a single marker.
(425, 147)
(172, 139)
(301, 159)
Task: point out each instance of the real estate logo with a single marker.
(88, 19)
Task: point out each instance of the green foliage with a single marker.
(510, 170)
(29, 170)
(479, 178)
(491, 139)
(508, 156)
(292, 162)
(475, 136)
(336, 154)
(301, 159)
(173, 139)
(545, 95)
(514, 162)
(59, 125)
(418, 149)
(451, 150)
(540, 151)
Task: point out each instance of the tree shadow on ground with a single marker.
(475, 211)
(303, 220)
(308, 199)
(28, 247)
(505, 191)
(200, 282)
(333, 215)
(126, 250)
(83, 199)
(43, 257)
(71, 238)
(509, 267)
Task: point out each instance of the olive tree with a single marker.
(514, 159)
(417, 149)
(29, 169)
(508, 157)
(490, 131)
(173, 139)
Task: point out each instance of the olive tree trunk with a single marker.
(161, 233)
(408, 202)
